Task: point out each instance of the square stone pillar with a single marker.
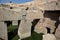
(3, 31)
(24, 29)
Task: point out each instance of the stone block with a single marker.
(3, 31)
(34, 14)
(50, 24)
(10, 14)
(46, 6)
(57, 33)
(39, 28)
(49, 37)
(24, 29)
(42, 24)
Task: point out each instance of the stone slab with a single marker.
(10, 14)
(34, 14)
(43, 23)
(24, 29)
(3, 31)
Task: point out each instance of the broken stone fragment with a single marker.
(49, 37)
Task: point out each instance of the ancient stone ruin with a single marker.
(47, 11)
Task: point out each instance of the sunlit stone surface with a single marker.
(24, 29)
(57, 34)
(49, 37)
(39, 28)
(3, 31)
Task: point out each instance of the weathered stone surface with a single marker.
(43, 1)
(39, 28)
(50, 24)
(57, 33)
(11, 14)
(49, 37)
(42, 24)
(3, 31)
(24, 29)
(47, 6)
(34, 14)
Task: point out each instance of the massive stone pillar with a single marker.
(24, 29)
(3, 31)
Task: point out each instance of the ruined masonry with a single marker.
(47, 11)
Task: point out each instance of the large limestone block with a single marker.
(50, 6)
(47, 6)
(24, 29)
(49, 37)
(3, 31)
(11, 14)
(43, 23)
(39, 28)
(34, 14)
(50, 24)
(57, 33)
